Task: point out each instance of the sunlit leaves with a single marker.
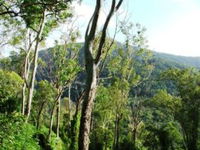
(65, 63)
(9, 84)
(164, 100)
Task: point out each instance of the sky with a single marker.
(173, 26)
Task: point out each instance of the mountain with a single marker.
(181, 60)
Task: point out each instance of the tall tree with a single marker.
(92, 61)
(41, 17)
(187, 82)
(64, 71)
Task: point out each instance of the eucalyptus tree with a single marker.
(64, 71)
(92, 62)
(40, 17)
(44, 96)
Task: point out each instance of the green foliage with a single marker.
(135, 107)
(75, 124)
(16, 134)
(45, 92)
(187, 82)
(166, 101)
(54, 144)
(65, 64)
(10, 84)
(33, 10)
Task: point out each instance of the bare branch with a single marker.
(94, 21)
(103, 36)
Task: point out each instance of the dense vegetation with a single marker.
(96, 95)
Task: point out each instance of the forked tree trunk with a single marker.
(91, 64)
(25, 76)
(35, 64)
(56, 106)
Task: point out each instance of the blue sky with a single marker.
(173, 26)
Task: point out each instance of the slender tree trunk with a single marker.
(51, 121)
(39, 115)
(134, 137)
(193, 140)
(23, 98)
(74, 123)
(105, 141)
(25, 77)
(78, 103)
(117, 135)
(69, 101)
(35, 64)
(58, 117)
(55, 105)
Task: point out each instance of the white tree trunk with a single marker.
(35, 64)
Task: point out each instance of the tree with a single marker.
(187, 82)
(39, 20)
(64, 71)
(10, 84)
(45, 95)
(167, 128)
(91, 65)
(40, 17)
(19, 135)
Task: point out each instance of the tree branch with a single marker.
(94, 22)
(114, 8)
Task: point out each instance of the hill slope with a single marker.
(182, 60)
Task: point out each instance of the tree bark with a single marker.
(69, 101)
(26, 75)
(117, 134)
(91, 64)
(193, 140)
(134, 137)
(87, 108)
(51, 120)
(23, 98)
(35, 64)
(58, 117)
(39, 115)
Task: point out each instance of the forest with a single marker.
(99, 94)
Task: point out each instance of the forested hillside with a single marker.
(95, 95)
(187, 61)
